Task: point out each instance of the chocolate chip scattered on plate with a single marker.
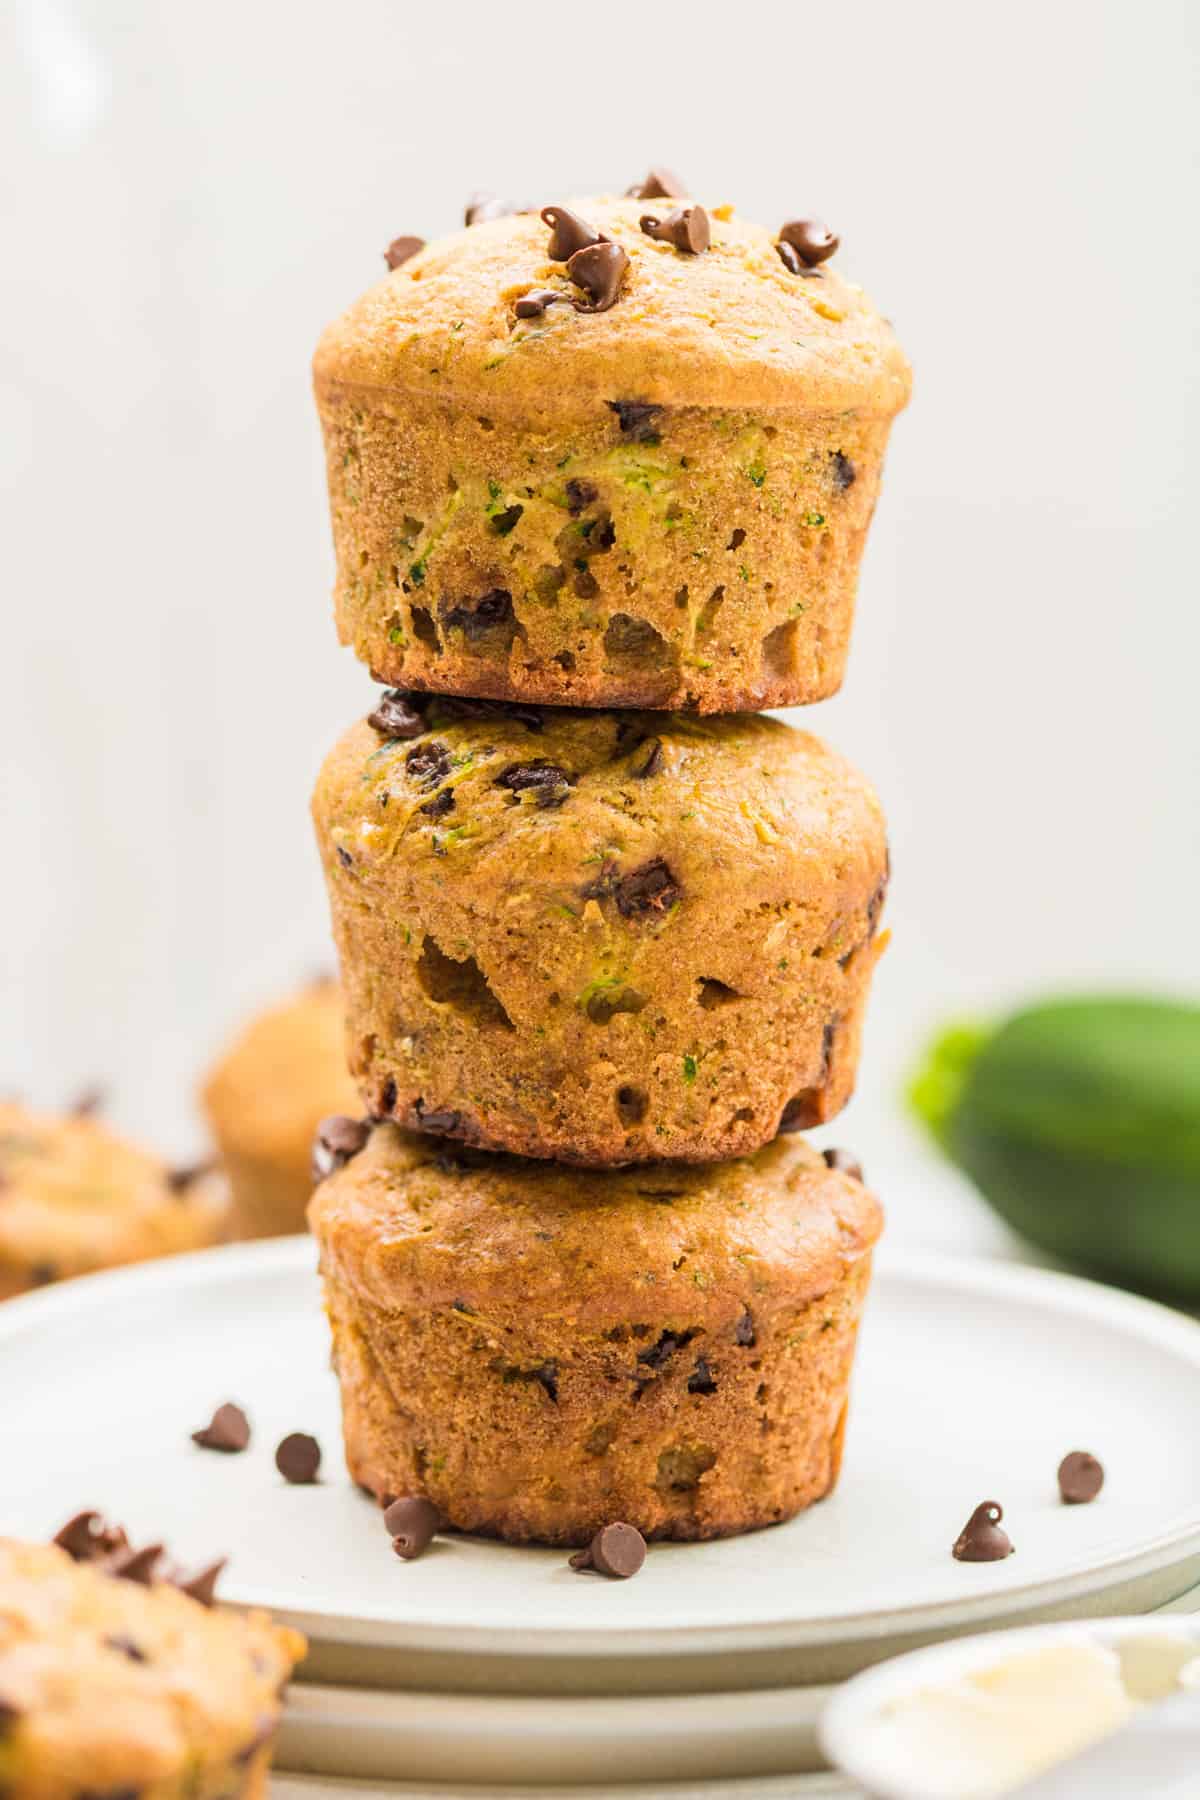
(617, 1550)
(298, 1458)
(228, 1430)
(1080, 1478)
(412, 1522)
(983, 1538)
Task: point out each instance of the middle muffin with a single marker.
(602, 937)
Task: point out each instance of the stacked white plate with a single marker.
(488, 1667)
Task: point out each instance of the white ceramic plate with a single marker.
(756, 1788)
(787, 1787)
(485, 1739)
(974, 1379)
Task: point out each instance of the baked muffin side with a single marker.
(110, 1687)
(663, 504)
(601, 937)
(539, 1351)
(264, 1097)
(76, 1198)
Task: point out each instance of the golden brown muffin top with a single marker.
(585, 808)
(75, 1197)
(412, 1221)
(730, 327)
(110, 1686)
(285, 1070)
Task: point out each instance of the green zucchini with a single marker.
(1079, 1121)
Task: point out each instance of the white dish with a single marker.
(974, 1379)
(488, 1739)
(844, 1731)
(787, 1787)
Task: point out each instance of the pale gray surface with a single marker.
(192, 191)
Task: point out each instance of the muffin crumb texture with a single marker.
(109, 1687)
(601, 937)
(661, 505)
(76, 1198)
(667, 1345)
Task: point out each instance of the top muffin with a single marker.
(652, 491)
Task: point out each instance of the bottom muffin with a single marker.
(540, 1350)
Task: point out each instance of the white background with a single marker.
(192, 190)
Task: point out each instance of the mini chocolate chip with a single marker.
(474, 618)
(652, 888)
(743, 1331)
(982, 1538)
(443, 1123)
(845, 1162)
(428, 764)
(182, 1177)
(396, 717)
(568, 233)
(298, 1458)
(813, 242)
(844, 472)
(651, 761)
(658, 1354)
(412, 1523)
(534, 304)
(483, 206)
(617, 1550)
(401, 250)
(440, 805)
(634, 417)
(701, 1379)
(344, 857)
(659, 184)
(1080, 1478)
(580, 494)
(687, 228)
(548, 783)
(387, 1098)
(43, 1273)
(459, 706)
(125, 1646)
(86, 1536)
(228, 1430)
(599, 270)
(201, 1586)
(128, 1564)
(338, 1138)
(88, 1103)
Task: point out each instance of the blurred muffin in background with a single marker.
(265, 1097)
(75, 1198)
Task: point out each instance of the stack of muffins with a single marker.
(600, 481)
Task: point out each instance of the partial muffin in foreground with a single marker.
(75, 1198)
(540, 1351)
(113, 1688)
(663, 503)
(596, 936)
(282, 1074)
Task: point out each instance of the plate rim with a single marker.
(988, 1277)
